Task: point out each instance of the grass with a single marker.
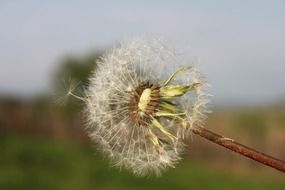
(40, 164)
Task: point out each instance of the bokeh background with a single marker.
(240, 48)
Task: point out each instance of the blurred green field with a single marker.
(31, 163)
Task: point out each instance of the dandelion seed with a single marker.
(66, 89)
(138, 111)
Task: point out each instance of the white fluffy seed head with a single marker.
(143, 130)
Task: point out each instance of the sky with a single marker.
(240, 45)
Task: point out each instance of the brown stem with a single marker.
(239, 148)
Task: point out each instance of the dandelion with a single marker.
(141, 104)
(137, 113)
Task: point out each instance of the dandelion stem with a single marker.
(239, 148)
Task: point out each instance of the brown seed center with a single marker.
(140, 114)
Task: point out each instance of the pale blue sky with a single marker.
(240, 44)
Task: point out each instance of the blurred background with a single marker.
(240, 47)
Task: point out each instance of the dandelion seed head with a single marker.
(139, 110)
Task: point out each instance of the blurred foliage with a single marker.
(276, 114)
(78, 68)
(38, 164)
(251, 122)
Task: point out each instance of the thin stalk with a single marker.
(239, 148)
